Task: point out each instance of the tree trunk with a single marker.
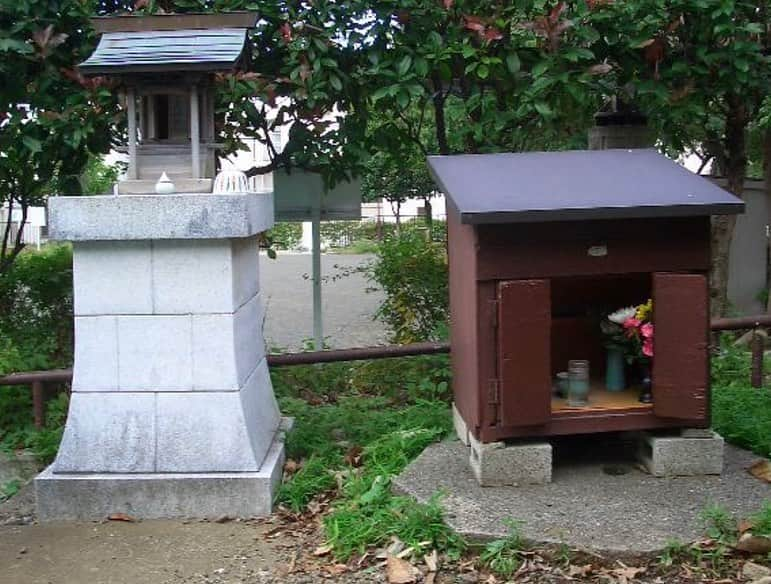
(734, 167)
(439, 120)
(767, 179)
(429, 215)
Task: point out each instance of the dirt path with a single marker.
(272, 551)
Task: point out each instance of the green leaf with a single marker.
(404, 65)
(540, 68)
(271, 253)
(512, 63)
(380, 93)
(403, 99)
(334, 80)
(421, 67)
(543, 109)
(33, 144)
(483, 71)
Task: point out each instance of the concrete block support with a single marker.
(500, 464)
(691, 453)
(461, 429)
(172, 411)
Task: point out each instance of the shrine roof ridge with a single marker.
(575, 185)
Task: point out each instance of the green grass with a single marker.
(761, 521)
(384, 417)
(504, 556)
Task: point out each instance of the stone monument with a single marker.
(172, 412)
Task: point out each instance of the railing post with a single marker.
(756, 376)
(38, 404)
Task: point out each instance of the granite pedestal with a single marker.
(172, 411)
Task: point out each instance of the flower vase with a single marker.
(646, 396)
(614, 371)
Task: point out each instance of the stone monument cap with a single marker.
(143, 217)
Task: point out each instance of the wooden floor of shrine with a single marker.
(600, 399)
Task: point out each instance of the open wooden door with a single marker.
(680, 351)
(524, 352)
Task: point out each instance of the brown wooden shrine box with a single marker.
(539, 244)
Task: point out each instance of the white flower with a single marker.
(622, 314)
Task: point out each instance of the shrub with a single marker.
(285, 235)
(740, 413)
(36, 332)
(36, 323)
(413, 274)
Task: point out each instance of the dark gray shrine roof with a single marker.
(143, 51)
(559, 186)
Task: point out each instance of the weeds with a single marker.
(674, 552)
(761, 521)
(9, 489)
(504, 556)
(340, 418)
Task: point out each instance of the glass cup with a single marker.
(578, 382)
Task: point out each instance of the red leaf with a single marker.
(448, 4)
(556, 12)
(473, 23)
(286, 32)
(493, 34)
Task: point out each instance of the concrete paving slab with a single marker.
(599, 499)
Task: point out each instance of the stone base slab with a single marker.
(81, 497)
(500, 464)
(681, 455)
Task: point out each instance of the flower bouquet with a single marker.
(629, 339)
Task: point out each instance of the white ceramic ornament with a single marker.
(164, 186)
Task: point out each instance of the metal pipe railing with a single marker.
(37, 379)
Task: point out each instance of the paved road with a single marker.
(348, 308)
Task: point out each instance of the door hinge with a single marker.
(493, 392)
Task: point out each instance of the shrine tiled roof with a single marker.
(575, 185)
(181, 50)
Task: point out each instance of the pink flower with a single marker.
(631, 323)
(647, 347)
(647, 330)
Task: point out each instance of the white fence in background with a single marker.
(34, 231)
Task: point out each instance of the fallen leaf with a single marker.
(761, 470)
(432, 561)
(121, 517)
(430, 577)
(353, 456)
(744, 525)
(322, 550)
(291, 466)
(335, 569)
(626, 574)
(223, 519)
(399, 571)
(574, 571)
(754, 544)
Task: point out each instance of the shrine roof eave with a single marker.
(167, 51)
(575, 186)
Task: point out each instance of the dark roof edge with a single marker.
(639, 212)
(191, 20)
(170, 67)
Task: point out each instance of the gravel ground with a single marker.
(348, 304)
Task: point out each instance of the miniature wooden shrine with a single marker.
(539, 243)
(164, 65)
